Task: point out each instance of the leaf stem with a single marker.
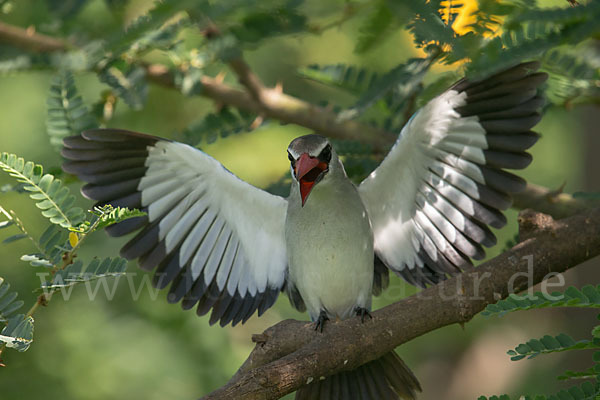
(11, 216)
(42, 300)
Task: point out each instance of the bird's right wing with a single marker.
(216, 239)
(432, 198)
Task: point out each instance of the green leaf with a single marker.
(109, 215)
(54, 243)
(433, 89)
(589, 373)
(8, 301)
(261, 24)
(529, 33)
(586, 195)
(83, 58)
(162, 38)
(403, 80)
(549, 344)
(20, 62)
(586, 391)
(18, 333)
(65, 9)
(49, 193)
(67, 114)
(375, 28)
(221, 124)
(588, 296)
(573, 78)
(429, 28)
(75, 273)
(191, 83)
(129, 83)
(14, 238)
(344, 147)
(348, 77)
(554, 15)
(153, 20)
(36, 260)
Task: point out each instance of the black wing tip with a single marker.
(86, 139)
(75, 142)
(127, 226)
(70, 167)
(87, 156)
(117, 135)
(144, 242)
(524, 68)
(507, 160)
(507, 74)
(226, 308)
(433, 272)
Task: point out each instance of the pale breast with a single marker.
(330, 250)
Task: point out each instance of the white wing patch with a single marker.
(432, 198)
(393, 193)
(226, 227)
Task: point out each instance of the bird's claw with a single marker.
(320, 323)
(362, 313)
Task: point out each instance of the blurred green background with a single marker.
(145, 348)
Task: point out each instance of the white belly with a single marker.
(330, 251)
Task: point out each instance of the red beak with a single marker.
(306, 174)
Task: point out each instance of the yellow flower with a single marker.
(73, 239)
(465, 15)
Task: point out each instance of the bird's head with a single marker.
(310, 159)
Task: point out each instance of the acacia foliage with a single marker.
(588, 297)
(194, 39)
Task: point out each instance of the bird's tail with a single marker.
(386, 378)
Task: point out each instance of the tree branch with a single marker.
(290, 352)
(28, 39)
(273, 103)
(552, 202)
(248, 78)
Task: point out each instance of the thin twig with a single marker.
(44, 298)
(30, 39)
(248, 78)
(10, 214)
(552, 202)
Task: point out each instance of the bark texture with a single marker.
(291, 352)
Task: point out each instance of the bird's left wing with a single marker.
(218, 240)
(432, 198)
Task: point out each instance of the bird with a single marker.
(424, 213)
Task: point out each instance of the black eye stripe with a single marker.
(325, 155)
(291, 158)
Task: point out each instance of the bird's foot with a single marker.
(320, 323)
(362, 313)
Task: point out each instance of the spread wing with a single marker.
(216, 239)
(444, 182)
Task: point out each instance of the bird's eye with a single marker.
(291, 158)
(325, 155)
